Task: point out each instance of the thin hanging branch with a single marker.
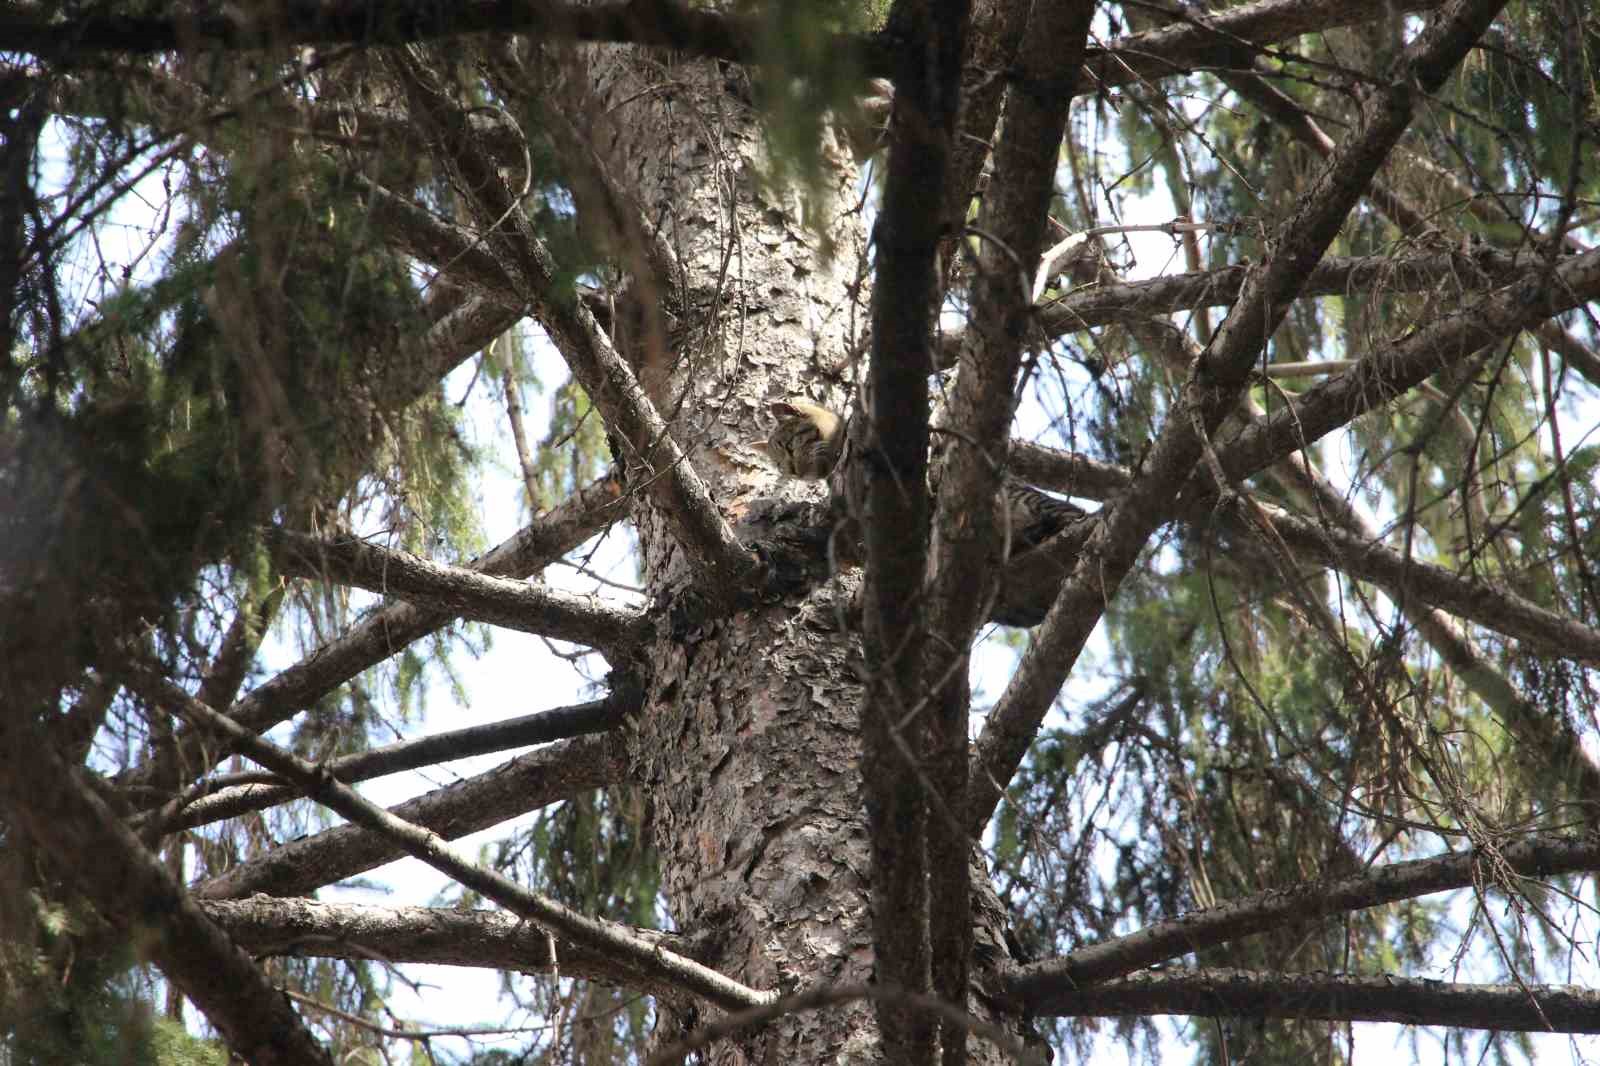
(1542, 856)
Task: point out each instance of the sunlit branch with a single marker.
(446, 936)
(460, 591)
(421, 843)
(528, 782)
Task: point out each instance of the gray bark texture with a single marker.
(749, 738)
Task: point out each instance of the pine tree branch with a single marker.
(1067, 472)
(1129, 301)
(996, 33)
(128, 885)
(1222, 993)
(672, 481)
(1282, 109)
(382, 633)
(888, 492)
(1497, 609)
(608, 938)
(267, 926)
(1501, 610)
(369, 23)
(1542, 741)
(461, 328)
(1173, 938)
(460, 591)
(1229, 38)
(1410, 218)
(1581, 358)
(458, 258)
(1385, 374)
(234, 794)
(226, 671)
(528, 782)
(1101, 304)
(967, 523)
(1125, 526)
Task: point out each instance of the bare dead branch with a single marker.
(229, 797)
(303, 928)
(422, 843)
(526, 783)
(378, 636)
(462, 592)
(1220, 993)
(1171, 939)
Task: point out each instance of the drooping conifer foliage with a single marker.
(1292, 730)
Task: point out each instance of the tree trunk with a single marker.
(748, 744)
